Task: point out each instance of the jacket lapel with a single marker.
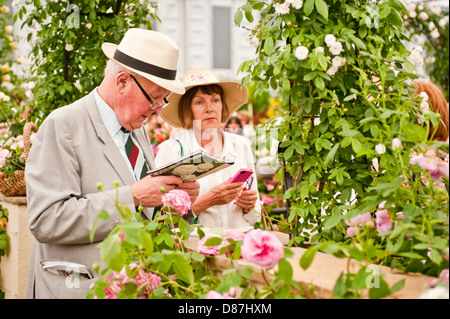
(110, 149)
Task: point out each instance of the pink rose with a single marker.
(266, 200)
(232, 234)
(178, 200)
(117, 281)
(383, 221)
(352, 231)
(207, 250)
(262, 248)
(212, 294)
(142, 279)
(356, 222)
(444, 276)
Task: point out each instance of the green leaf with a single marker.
(183, 269)
(394, 18)
(331, 154)
(307, 257)
(340, 288)
(381, 291)
(322, 8)
(415, 133)
(397, 286)
(268, 45)
(213, 241)
(332, 221)
(359, 281)
(308, 7)
(285, 270)
(319, 83)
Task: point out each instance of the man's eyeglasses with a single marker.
(153, 105)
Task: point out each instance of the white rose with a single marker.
(418, 48)
(424, 96)
(339, 61)
(380, 148)
(435, 8)
(431, 26)
(301, 52)
(330, 39)
(435, 34)
(297, 4)
(29, 94)
(396, 143)
(443, 22)
(336, 48)
(69, 47)
(424, 107)
(9, 28)
(423, 16)
(319, 50)
(332, 71)
(31, 85)
(282, 8)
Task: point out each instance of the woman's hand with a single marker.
(219, 195)
(224, 193)
(247, 200)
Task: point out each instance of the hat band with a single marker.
(144, 66)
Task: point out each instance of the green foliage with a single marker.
(158, 247)
(69, 60)
(345, 103)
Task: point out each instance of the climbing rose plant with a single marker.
(346, 76)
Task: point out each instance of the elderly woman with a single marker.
(199, 112)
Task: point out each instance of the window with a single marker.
(221, 38)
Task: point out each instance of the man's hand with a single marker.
(192, 188)
(147, 191)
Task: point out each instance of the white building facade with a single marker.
(206, 34)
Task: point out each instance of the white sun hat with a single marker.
(150, 54)
(234, 94)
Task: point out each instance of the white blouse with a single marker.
(236, 148)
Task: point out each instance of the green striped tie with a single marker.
(135, 157)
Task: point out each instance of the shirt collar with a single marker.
(108, 115)
(226, 148)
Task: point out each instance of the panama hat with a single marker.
(150, 54)
(234, 94)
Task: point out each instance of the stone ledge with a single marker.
(322, 273)
(16, 200)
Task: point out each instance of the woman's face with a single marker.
(207, 109)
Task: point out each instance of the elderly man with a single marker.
(97, 139)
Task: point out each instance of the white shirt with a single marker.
(235, 148)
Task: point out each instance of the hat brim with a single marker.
(234, 95)
(175, 86)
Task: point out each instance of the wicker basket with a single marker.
(16, 185)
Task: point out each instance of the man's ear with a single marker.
(122, 80)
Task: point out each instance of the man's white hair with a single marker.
(112, 68)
